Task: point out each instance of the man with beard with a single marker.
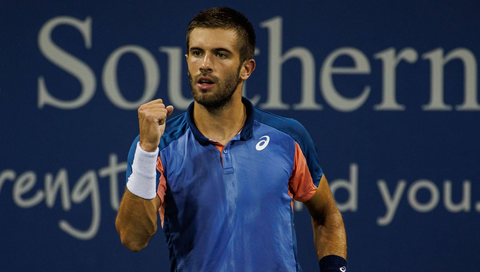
(223, 175)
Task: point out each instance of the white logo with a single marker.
(263, 143)
(343, 269)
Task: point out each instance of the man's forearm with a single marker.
(136, 221)
(329, 235)
(137, 215)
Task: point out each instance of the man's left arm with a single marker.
(329, 232)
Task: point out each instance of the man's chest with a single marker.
(250, 170)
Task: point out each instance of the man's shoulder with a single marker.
(175, 128)
(287, 125)
(176, 121)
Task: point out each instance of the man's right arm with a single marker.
(136, 220)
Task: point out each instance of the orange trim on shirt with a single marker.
(219, 146)
(162, 188)
(301, 186)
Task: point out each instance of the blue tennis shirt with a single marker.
(230, 208)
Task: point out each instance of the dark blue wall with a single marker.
(387, 89)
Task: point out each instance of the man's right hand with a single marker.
(151, 118)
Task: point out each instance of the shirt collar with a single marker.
(245, 134)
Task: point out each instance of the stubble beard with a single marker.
(223, 95)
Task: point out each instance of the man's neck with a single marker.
(222, 124)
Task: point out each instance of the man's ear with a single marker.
(247, 69)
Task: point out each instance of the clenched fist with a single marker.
(151, 118)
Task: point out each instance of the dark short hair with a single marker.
(227, 18)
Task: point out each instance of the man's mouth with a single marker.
(205, 83)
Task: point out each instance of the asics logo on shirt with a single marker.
(343, 269)
(263, 143)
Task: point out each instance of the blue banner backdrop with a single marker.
(387, 89)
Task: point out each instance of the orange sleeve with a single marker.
(301, 184)
(161, 189)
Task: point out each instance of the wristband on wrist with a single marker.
(142, 181)
(333, 263)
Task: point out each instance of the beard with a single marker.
(220, 98)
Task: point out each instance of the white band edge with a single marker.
(142, 181)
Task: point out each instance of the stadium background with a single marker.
(387, 89)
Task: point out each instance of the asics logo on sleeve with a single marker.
(343, 269)
(263, 143)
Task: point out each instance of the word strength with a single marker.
(27, 192)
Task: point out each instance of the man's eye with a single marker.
(221, 55)
(196, 53)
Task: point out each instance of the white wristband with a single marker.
(142, 182)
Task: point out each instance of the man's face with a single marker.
(213, 66)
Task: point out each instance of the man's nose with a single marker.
(206, 63)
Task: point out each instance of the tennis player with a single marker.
(223, 175)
